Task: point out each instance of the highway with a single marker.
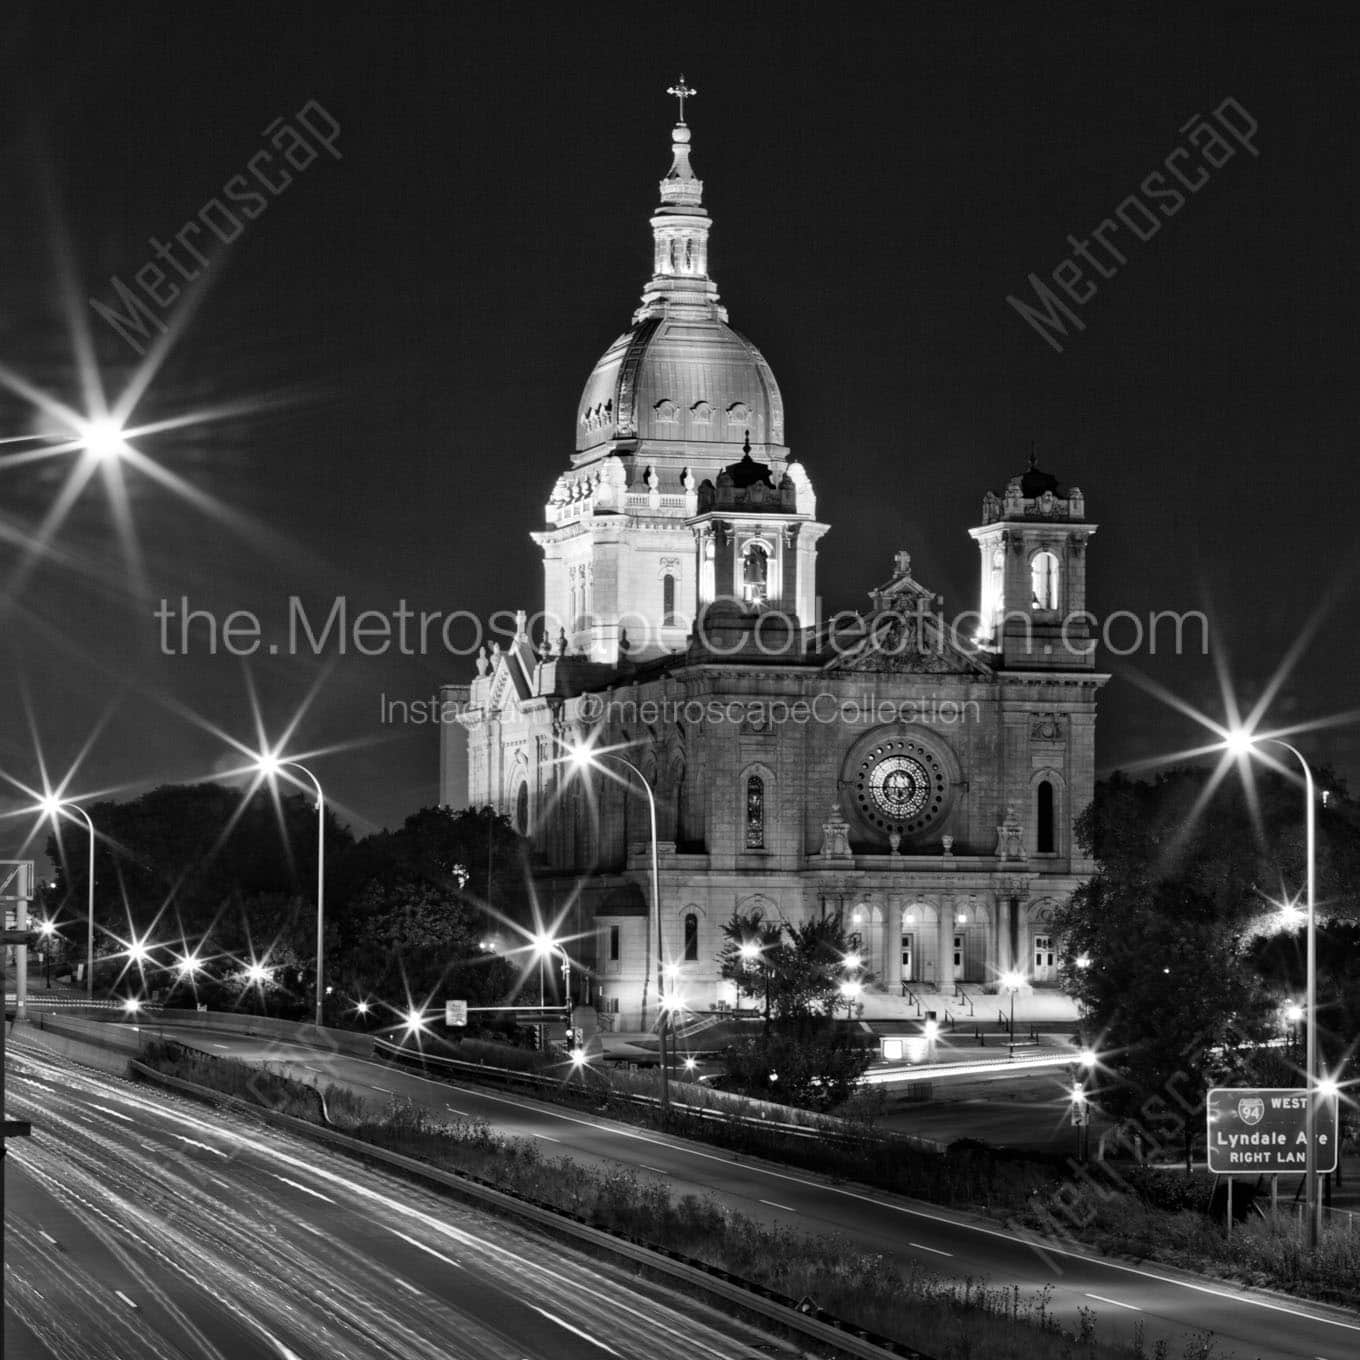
(139, 1224)
(1169, 1303)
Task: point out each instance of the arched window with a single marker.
(1044, 581)
(1043, 817)
(755, 569)
(691, 938)
(755, 813)
(522, 810)
(668, 618)
(996, 589)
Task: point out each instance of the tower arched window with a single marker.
(668, 618)
(1045, 827)
(691, 937)
(755, 813)
(522, 810)
(1044, 581)
(755, 570)
(997, 587)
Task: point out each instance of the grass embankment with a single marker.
(1150, 1214)
(951, 1320)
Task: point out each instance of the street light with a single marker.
(54, 806)
(271, 765)
(1243, 743)
(1012, 980)
(850, 990)
(102, 438)
(583, 758)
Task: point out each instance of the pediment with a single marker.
(896, 642)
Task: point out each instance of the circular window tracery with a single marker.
(900, 785)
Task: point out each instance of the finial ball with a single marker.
(680, 133)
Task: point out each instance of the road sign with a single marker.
(455, 1012)
(1262, 1131)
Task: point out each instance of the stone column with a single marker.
(944, 973)
(892, 945)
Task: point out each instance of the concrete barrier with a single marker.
(347, 1041)
(103, 1057)
(344, 1041)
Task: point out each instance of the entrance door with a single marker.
(909, 956)
(1044, 962)
(968, 954)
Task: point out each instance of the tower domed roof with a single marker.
(681, 374)
(690, 378)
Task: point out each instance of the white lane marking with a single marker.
(575, 1331)
(125, 1298)
(657, 1169)
(127, 1119)
(47, 1237)
(217, 1045)
(306, 1189)
(430, 1251)
(547, 1137)
(784, 1207)
(404, 1285)
(386, 1090)
(921, 1246)
(193, 1142)
(464, 1113)
(1100, 1298)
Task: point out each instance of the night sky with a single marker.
(405, 332)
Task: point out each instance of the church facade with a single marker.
(916, 776)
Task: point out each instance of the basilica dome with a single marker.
(684, 378)
(680, 374)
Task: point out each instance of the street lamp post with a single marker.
(1012, 981)
(55, 807)
(583, 757)
(269, 765)
(1242, 743)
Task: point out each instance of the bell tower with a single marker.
(1032, 543)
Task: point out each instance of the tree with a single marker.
(475, 854)
(413, 911)
(812, 1071)
(194, 867)
(1159, 948)
(752, 956)
(795, 972)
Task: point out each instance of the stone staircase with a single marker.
(973, 1006)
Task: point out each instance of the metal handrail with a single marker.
(963, 996)
(912, 997)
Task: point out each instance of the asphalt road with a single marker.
(139, 1224)
(1169, 1304)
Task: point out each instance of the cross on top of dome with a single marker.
(682, 92)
